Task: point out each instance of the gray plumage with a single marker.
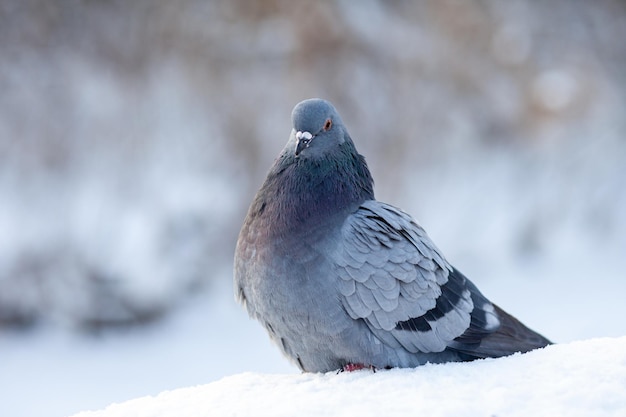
(339, 279)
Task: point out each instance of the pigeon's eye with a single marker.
(327, 125)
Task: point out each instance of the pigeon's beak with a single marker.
(303, 139)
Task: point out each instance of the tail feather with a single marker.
(512, 336)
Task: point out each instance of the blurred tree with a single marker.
(132, 135)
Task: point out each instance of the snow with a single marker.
(210, 337)
(586, 378)
(207, 338)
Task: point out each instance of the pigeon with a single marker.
(341, 281)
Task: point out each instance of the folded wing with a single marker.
(393, 277)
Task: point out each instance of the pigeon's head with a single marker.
(317, 128)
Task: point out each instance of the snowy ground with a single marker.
(212, 338)
(578, 379)
(55, 373)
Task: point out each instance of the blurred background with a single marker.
(133, 136)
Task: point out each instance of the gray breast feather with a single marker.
(391, 275)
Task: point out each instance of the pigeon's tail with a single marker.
(512, 336)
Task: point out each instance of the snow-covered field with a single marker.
(55, 374)
(586, 379)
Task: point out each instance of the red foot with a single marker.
(351, 367)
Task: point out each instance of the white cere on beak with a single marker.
(303, 135)
(302, 141)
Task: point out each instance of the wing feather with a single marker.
(394, 278)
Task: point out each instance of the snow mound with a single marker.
(586, 378)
